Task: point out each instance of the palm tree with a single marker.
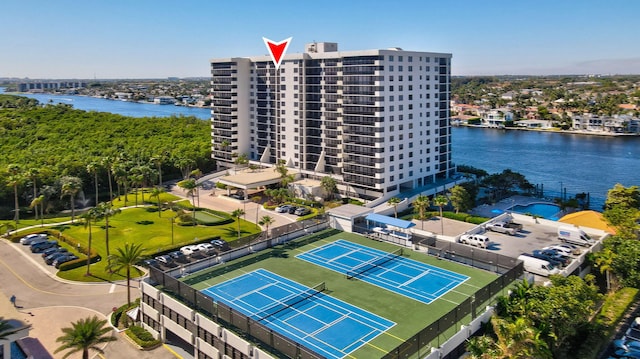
(156, 192)
(197, 173)
(70, 187)
(125, 258)
(604, 261)
(158, 160)
(421, 203)
(266, 221)
(394, 201)
(237, 214)
(91, 215)
(329, 185)
(38, 202)
(136, 180)
(33, 174)
(441, 201)
(189, 185)
(14, 180)
(85, 334)
(120, 172)
(256, 199)
(107, 163)
(93, 168)
(106, 211)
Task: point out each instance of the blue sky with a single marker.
(158, 38)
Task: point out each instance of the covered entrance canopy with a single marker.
(247, 178)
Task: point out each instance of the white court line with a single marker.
(415, 278)
(112, 289)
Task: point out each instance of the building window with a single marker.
(410, 58)
(390, 57)
(390, 67)
(400, 58)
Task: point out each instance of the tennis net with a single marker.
(373, 263)
(290, 301)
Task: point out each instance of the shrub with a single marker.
(142, 337)
(117, 314)
(220, 185)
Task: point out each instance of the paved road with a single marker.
(49, 304)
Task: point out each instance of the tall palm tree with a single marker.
(121, 175)
(106, 211)
(394, 201)
(158, 160)
(125, 258)
(84, 335)
(197, 174)
(70, 187)
(107, 163)
(88, 217)
(237, 214)
(38, 202)
(136, 181)
(32, 174)
(441, 201)
(93, 168)
(14, 180)
(266, 221)
(189, 185)
(256, 199)
(156, 192)
(421, 203)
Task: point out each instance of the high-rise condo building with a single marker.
(375, 120)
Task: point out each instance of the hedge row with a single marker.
(465, 217)
(142, 337)
(117, 314)
(95, 257)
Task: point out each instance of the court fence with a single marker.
(219, 312)
(420, 344)
(416, 347)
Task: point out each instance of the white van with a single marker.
(477, 240)
(538, 266)
(574, 235)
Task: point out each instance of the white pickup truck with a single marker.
(504, 227)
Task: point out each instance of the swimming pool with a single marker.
(544, 210)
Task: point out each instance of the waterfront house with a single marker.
(496, 117)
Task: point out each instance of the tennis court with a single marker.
(316, 320)
(391, 271)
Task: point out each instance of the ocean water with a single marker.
(577, 163)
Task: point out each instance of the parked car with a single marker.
(49, 251)
(33, 238)
(475, 240)
(206, 247)
(559, 250)
(52, 257)
(574, 249)
(220, 245)
(151, 263)
(165, 260)
(178, 256)
(189, 250)
(63, 259)
(302, 211)
(292, 209)
(502, 227)
(283, 208)
(552, 257)
(41, 246)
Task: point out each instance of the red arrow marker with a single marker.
(277, 49)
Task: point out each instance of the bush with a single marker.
(142, 337)
(95, 257)
(117, 314)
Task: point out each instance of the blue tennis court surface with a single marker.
(318, 321)
(410, 278)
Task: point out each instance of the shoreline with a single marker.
(570, 132)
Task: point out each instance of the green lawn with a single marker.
(410, 315)
(140, 225)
